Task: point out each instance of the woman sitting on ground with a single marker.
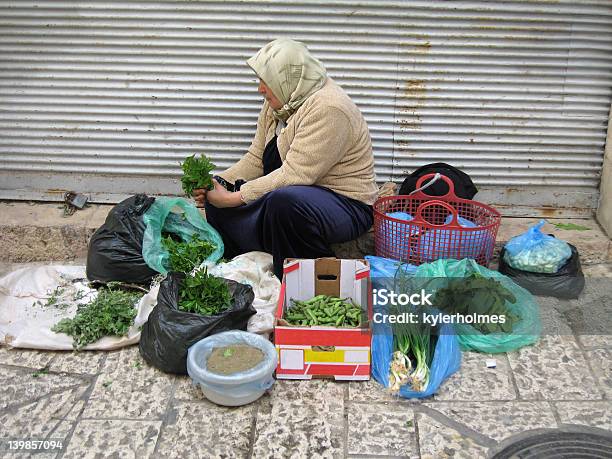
(307, 180)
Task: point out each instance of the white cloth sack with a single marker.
(25, 324)
(256, 270)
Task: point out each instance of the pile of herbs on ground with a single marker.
(480, 296)
(110, 313)
(61, 298)
(204, 294)
(324, 310)
(414, 343)
(185, 256)
(197, 174)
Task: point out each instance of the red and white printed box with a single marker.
(320, 351)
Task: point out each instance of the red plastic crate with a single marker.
(430, 235)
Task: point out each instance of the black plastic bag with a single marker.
(170, 332)
(566, 283)
(115, 249)
(464, 187)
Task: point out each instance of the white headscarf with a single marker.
(290, 71)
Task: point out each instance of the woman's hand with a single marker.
(199, 196)
(220, 197)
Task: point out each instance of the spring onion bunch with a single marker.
(412, 356)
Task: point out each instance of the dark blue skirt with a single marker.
(291, 222)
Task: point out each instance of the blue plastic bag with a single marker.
(400, 216)
(536, 252)
(404, 216)
(385, 267)
(384, 270)
(160, 217)
(395, 237)
(462, 221)
(467, 244)
(446, 360)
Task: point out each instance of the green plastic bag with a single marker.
(161, 217)
(525, 332)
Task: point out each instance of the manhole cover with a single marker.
(560, 444)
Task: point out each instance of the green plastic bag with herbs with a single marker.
(179, 217)
(476, 298)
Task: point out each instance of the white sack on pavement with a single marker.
(25, 324)
(255, 269)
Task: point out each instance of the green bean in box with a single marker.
(325, 311)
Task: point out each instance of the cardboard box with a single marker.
(320, 351)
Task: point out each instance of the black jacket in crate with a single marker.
(115, 249)
(566, 283)
(169, 332)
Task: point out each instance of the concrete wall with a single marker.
(604, 211)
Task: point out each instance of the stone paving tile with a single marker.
(599, 270)
(76, 410)
(601, 363)
(591, 314)
(498, 420)
(297, 429)
(595, 341)
(113, 438)
(593, 414)
(36, 422)
(203, 429)
(553, 369)
(24, 386)
(474, 381)
(25, 358)
(186, 390)
(36, 455)
(317, 390)
(381, 429)
(129, 388)
(83, 362)
(554, 323)
(437, 441)
(596, 287)
(314, 391)
(32, 455)
(64, 428)
(38, 419)
(369, 391)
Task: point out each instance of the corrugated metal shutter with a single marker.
(106, 97)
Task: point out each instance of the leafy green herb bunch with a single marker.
(204, 294)
(196, 174)
(111, 313)
(185, 256)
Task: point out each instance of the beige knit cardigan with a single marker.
(326, 142)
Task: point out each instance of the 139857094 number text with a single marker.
(30, 444)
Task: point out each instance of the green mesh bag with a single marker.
(162, 217)
(525, 331)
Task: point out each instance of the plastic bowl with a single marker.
(238, 388)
